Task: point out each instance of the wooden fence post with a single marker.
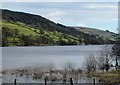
(45, 81)
(71, 81)
(93, 81)
(15, 82)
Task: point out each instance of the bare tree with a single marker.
(105, 57)
(68, 69)
(101, 63)
(91, 63)
(65, 75)
(116, 50)
(51, 68)
(76, 75)
(69, 66)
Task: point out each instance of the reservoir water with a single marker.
(17, 57)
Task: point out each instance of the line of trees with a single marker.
(15, 38)
(105, 60)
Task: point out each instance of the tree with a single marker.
(27, 40)
(69, 67)
(106, 56)
(51, 68)
(101, 63)
(16, 34)
(91, 63)
(116, 50)
(41, 31)
(6, 33)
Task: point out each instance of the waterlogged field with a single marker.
(34, 64)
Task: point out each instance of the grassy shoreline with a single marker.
(107, 77)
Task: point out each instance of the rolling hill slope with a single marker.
(98, 33)
(23, 29)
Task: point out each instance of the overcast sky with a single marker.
(101, 15)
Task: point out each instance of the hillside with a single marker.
(98, 33)
(23, 29)
(17, 34)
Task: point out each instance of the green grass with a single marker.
(22, 29)
(29, 30)
(106, 77)
(111, 76)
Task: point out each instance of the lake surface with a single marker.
(17, 57)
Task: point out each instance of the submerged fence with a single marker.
(70, 83)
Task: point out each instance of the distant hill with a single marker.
(98, 33)
(24, 29)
